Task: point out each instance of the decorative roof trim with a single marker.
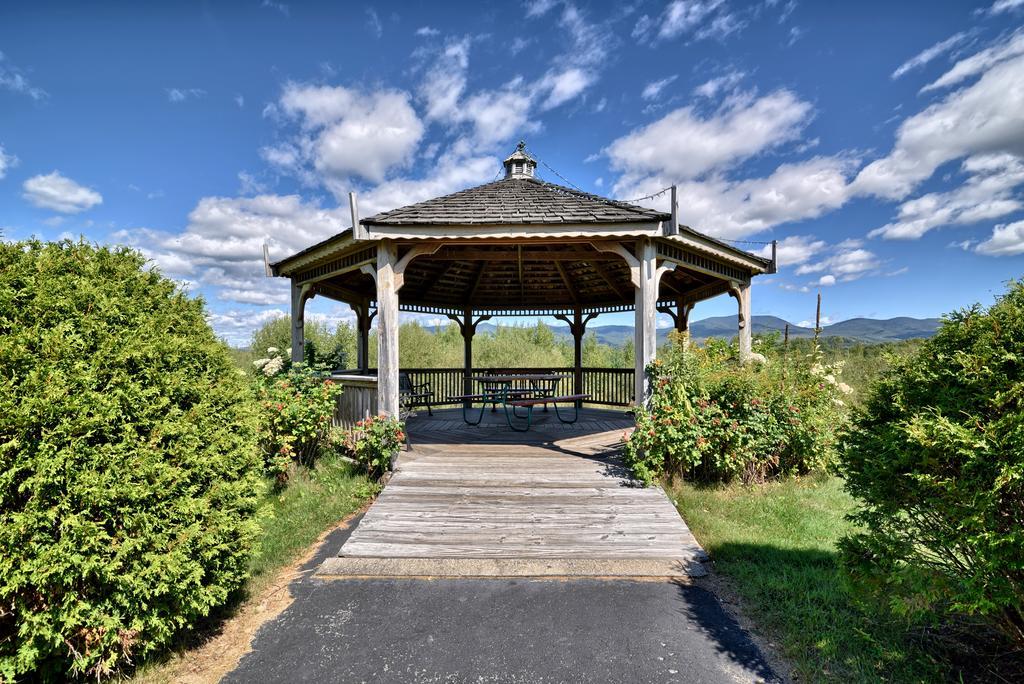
(316, 252)
(516, 231)
(694, 240)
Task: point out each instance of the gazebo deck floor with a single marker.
(488, 501)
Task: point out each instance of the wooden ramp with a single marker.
(555, 501)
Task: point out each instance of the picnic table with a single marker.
(499, 389)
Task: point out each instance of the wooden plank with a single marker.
(486, 493)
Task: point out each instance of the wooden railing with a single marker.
(357, 400)
(606, 387)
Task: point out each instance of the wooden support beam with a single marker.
(567, 281)
(467, 327)
(645, 328)
(364, 320)
(578, 328)
(403, 263)
(477, 277)
(387, 329)
(741, 292)
(441, 273)
(300, 294)
(603, 272)
(632, 261)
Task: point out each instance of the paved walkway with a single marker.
(500, 630)
(509, 512)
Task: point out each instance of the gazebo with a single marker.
(515, 247)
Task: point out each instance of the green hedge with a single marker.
(129, 471)
(937, 459)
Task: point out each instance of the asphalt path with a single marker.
(499, 630)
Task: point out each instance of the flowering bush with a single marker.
(374, 441)
(937, 460)
(298, 405)
(711, 419)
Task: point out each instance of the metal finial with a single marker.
(521, 146)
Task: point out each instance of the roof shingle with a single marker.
(516, 201)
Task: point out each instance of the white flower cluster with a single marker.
(828, 374)
(271, 365)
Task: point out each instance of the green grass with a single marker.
(776, 544)
(294, 517)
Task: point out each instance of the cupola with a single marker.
(519, 164)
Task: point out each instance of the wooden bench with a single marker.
(496, 397)
(528, 404)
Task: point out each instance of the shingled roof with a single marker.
(517, 199)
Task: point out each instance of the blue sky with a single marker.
(881, 143)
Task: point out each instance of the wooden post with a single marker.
(467, 352)
(387, 329)
(467, 328)
(741, 291)
(363, 320)
(578, 328)
(644, 273)
(300, 293)
(673, 227)
(817, 318)
(645, 345)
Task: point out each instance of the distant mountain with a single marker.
(856, 329)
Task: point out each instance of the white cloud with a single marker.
(12, 79)
(712, 87)
(700, 18)
(538, 8)
(222, 246)
(427, 32)
(236, 325)
(982, 118)
(182, 94)
(445, 81)
(929, 54)
(982, 61)
(654, 88)
(250, 185)
(373, 23)
(347, 133)
(1001, 6)
(7, 162)
(59, 193)
(739, 208)
(239, 100)
(495, 115)
(469, 171)
(722, 26)
(794, 250)
(518, 44)
(683, 144)
(564, 86)
(988, 193)
(279, 6)
(1006, 240)
(849, 261)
